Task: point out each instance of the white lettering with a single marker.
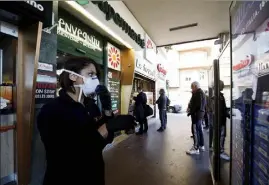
(36, 5)
(75, 34)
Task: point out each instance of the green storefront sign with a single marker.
(78, 39)
(111, 14)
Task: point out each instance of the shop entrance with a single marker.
(8, 53)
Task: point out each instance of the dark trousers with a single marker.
(211, 133)
(143, 125)
(206, 120)
(198, 137)
(210, 119)
(163, 118)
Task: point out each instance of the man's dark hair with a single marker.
(139, 88)
(75, 64)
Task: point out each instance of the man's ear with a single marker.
(73, 77)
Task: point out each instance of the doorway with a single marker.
(8, 55)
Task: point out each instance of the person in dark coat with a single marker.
(72, 138)
(223, 115)
(140, 104)
(162, 105)
(197, 112)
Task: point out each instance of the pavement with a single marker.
(157, 158)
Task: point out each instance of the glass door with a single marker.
(8, 52)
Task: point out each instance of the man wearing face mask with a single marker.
(72, 138)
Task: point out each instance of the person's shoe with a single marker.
(160, 129)
(202, 148)
(224, 156)
(193, 151)
(139, 133)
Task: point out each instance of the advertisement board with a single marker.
(46, 83)
(114, 89)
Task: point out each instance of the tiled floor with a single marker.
(158, 158)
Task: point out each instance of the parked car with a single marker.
(174, 107)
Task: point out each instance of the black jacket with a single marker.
(223, 111)
(162, 102)
(140, 104)
(197, 104)
(72, 143)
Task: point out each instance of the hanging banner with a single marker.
(113, 57)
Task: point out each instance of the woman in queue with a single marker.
(72, 139)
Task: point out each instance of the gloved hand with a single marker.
(121, 122)
(188, 114)
(104, 96)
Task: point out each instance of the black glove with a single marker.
(104, 96)
(121, 122)
(188, 114)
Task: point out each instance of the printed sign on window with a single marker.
(113, 57)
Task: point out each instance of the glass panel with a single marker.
(250, 46)
(225, 76)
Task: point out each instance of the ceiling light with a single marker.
(87, 14)
(184, 26)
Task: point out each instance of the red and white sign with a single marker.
(150, 50)
(161, 69)
(113, 57)
(243, 63)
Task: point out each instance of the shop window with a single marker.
(8, 46)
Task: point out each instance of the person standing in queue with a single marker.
(207, 111)
(162, 105)
(73, 140)
(197, 112)
(140, 105)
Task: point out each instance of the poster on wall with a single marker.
(114, 89)
(150, 50)
(46, 83)
(113, 57)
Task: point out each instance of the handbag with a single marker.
(148, 111)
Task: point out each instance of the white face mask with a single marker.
(89, 86)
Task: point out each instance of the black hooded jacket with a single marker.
(197, 104)
(72, 143)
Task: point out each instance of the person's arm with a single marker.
(158, 101)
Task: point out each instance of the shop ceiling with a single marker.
(157, 17)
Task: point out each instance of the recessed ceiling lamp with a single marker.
(87, 14)
(183, 27)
